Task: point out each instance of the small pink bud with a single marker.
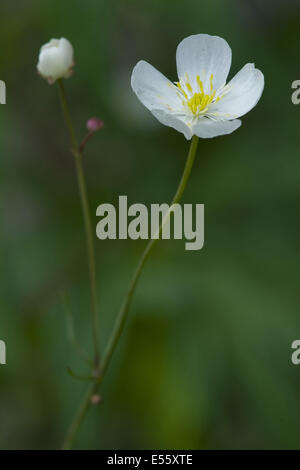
(95, 399)
(94, 124)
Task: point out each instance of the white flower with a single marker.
(56, 60)
(200, 103)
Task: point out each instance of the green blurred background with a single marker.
(205, 359)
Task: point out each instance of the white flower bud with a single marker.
(56, 60)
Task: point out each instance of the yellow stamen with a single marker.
(211, 82)
(189, 87)
(181, 89)
(199, 102)
(200, 84)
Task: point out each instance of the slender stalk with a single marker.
(87, 221)
(121, 318)
(78, 418)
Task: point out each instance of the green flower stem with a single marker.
(79, 418)
(121, 318)
(87, 222)
(120, 321)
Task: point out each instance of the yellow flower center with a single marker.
(199, 101)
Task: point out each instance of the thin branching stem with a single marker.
(121, 318)
(77, 153)
(87, 222)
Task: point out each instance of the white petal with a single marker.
(207, 128)
(67, 51)
(56, 59)
(174, 121)
(204, 55)
(153, 89)
(160, 96)
(244, 91)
